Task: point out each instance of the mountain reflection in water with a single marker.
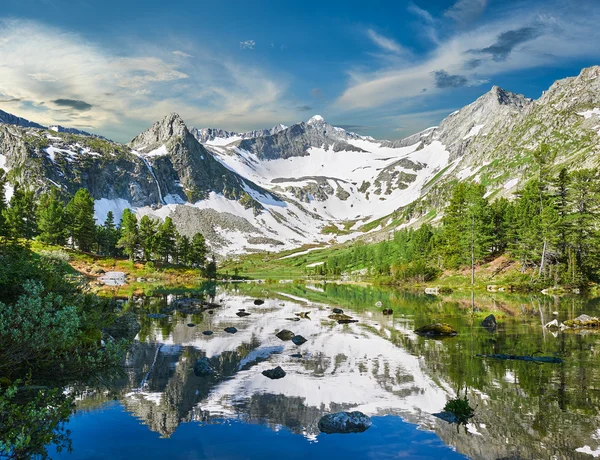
(377, 366)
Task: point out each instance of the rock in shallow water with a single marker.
(208, 332)
(241, 314)
(298, 340)
(230, 330)
(203, 368)
(191, 325)
(436, 330)
(259, 302)
(344, 422)
(285, 335)
(489, 322)
(274, 374)
(338, 311)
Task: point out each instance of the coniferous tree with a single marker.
(51, 218)
(129, 234)
(211, 268)
(20, 216)
(108, 235)
(80, 218)
(184, 250)
(148, 236)
(198, 251)
(166, 239)
(3, 229)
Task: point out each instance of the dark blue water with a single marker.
(111, 433)
(160, 409)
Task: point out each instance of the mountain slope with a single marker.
(311, 182)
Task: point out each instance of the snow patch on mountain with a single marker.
(104, 205)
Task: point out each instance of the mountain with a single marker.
(10, 119)
(310, 182)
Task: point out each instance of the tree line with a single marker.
(52, 220)
(550, 228)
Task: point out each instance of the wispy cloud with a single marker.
(52, 76)
(247, 45)
(521, 39)
(385, 43)
(182, 54)
(466, 11)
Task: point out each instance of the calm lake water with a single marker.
(524, 410)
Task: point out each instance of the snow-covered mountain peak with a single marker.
(316, 119)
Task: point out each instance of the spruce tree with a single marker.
(129, 234)
(81, 222)
(51, 218)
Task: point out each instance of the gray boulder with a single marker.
(274, 374)
(344, 422)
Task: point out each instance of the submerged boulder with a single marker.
(241, 314)
(230, 330)
(489, 322)
(285, 335)
(344, 422)
(274, 374)
(436, 330)
(207, 332)
(339, 316)
(347, 321)
(125, 326)
(298, 340)
(203, 368)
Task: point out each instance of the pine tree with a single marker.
(198, 251)
(211, 268)
(166, 239)
(184, 250)
(81, 222)
(51, 218)
(20, 216)
(110, 235)
(129, 234)
(3, 229)
(148, 236)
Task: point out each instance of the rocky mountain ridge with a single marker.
(310, 182)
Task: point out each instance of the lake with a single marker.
(378, 365)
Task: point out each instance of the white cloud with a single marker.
(41, 64)
(385, 43)
(247, 45)
(182, 54)
(465, 11)
(472, 57)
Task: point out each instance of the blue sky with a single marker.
(385, 69)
